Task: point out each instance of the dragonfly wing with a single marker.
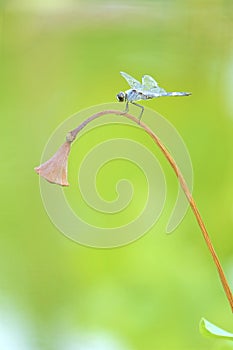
(157, 91)
(150, 85)
(148, 82)
(133, 83)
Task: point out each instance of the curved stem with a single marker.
(71, 137)
(196, 213)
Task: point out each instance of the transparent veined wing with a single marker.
(133, 83)
(148, 82)
(151, 85)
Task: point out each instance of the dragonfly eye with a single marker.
(121, 96)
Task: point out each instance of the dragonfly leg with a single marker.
(142, 110)
(126, 108)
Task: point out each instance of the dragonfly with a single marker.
(145, 90)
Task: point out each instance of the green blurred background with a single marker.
(58, 57)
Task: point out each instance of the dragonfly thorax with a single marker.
(121, 97)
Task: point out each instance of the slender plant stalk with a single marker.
(196, 213)
(71, 136)
(183, 184)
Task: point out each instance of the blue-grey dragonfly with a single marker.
(145, 90)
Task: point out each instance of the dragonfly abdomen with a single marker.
(176, 94)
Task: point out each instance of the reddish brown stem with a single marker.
(183, 184)
(196, 213)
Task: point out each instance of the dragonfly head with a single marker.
(121, 97)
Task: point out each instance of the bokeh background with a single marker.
(61, 56)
